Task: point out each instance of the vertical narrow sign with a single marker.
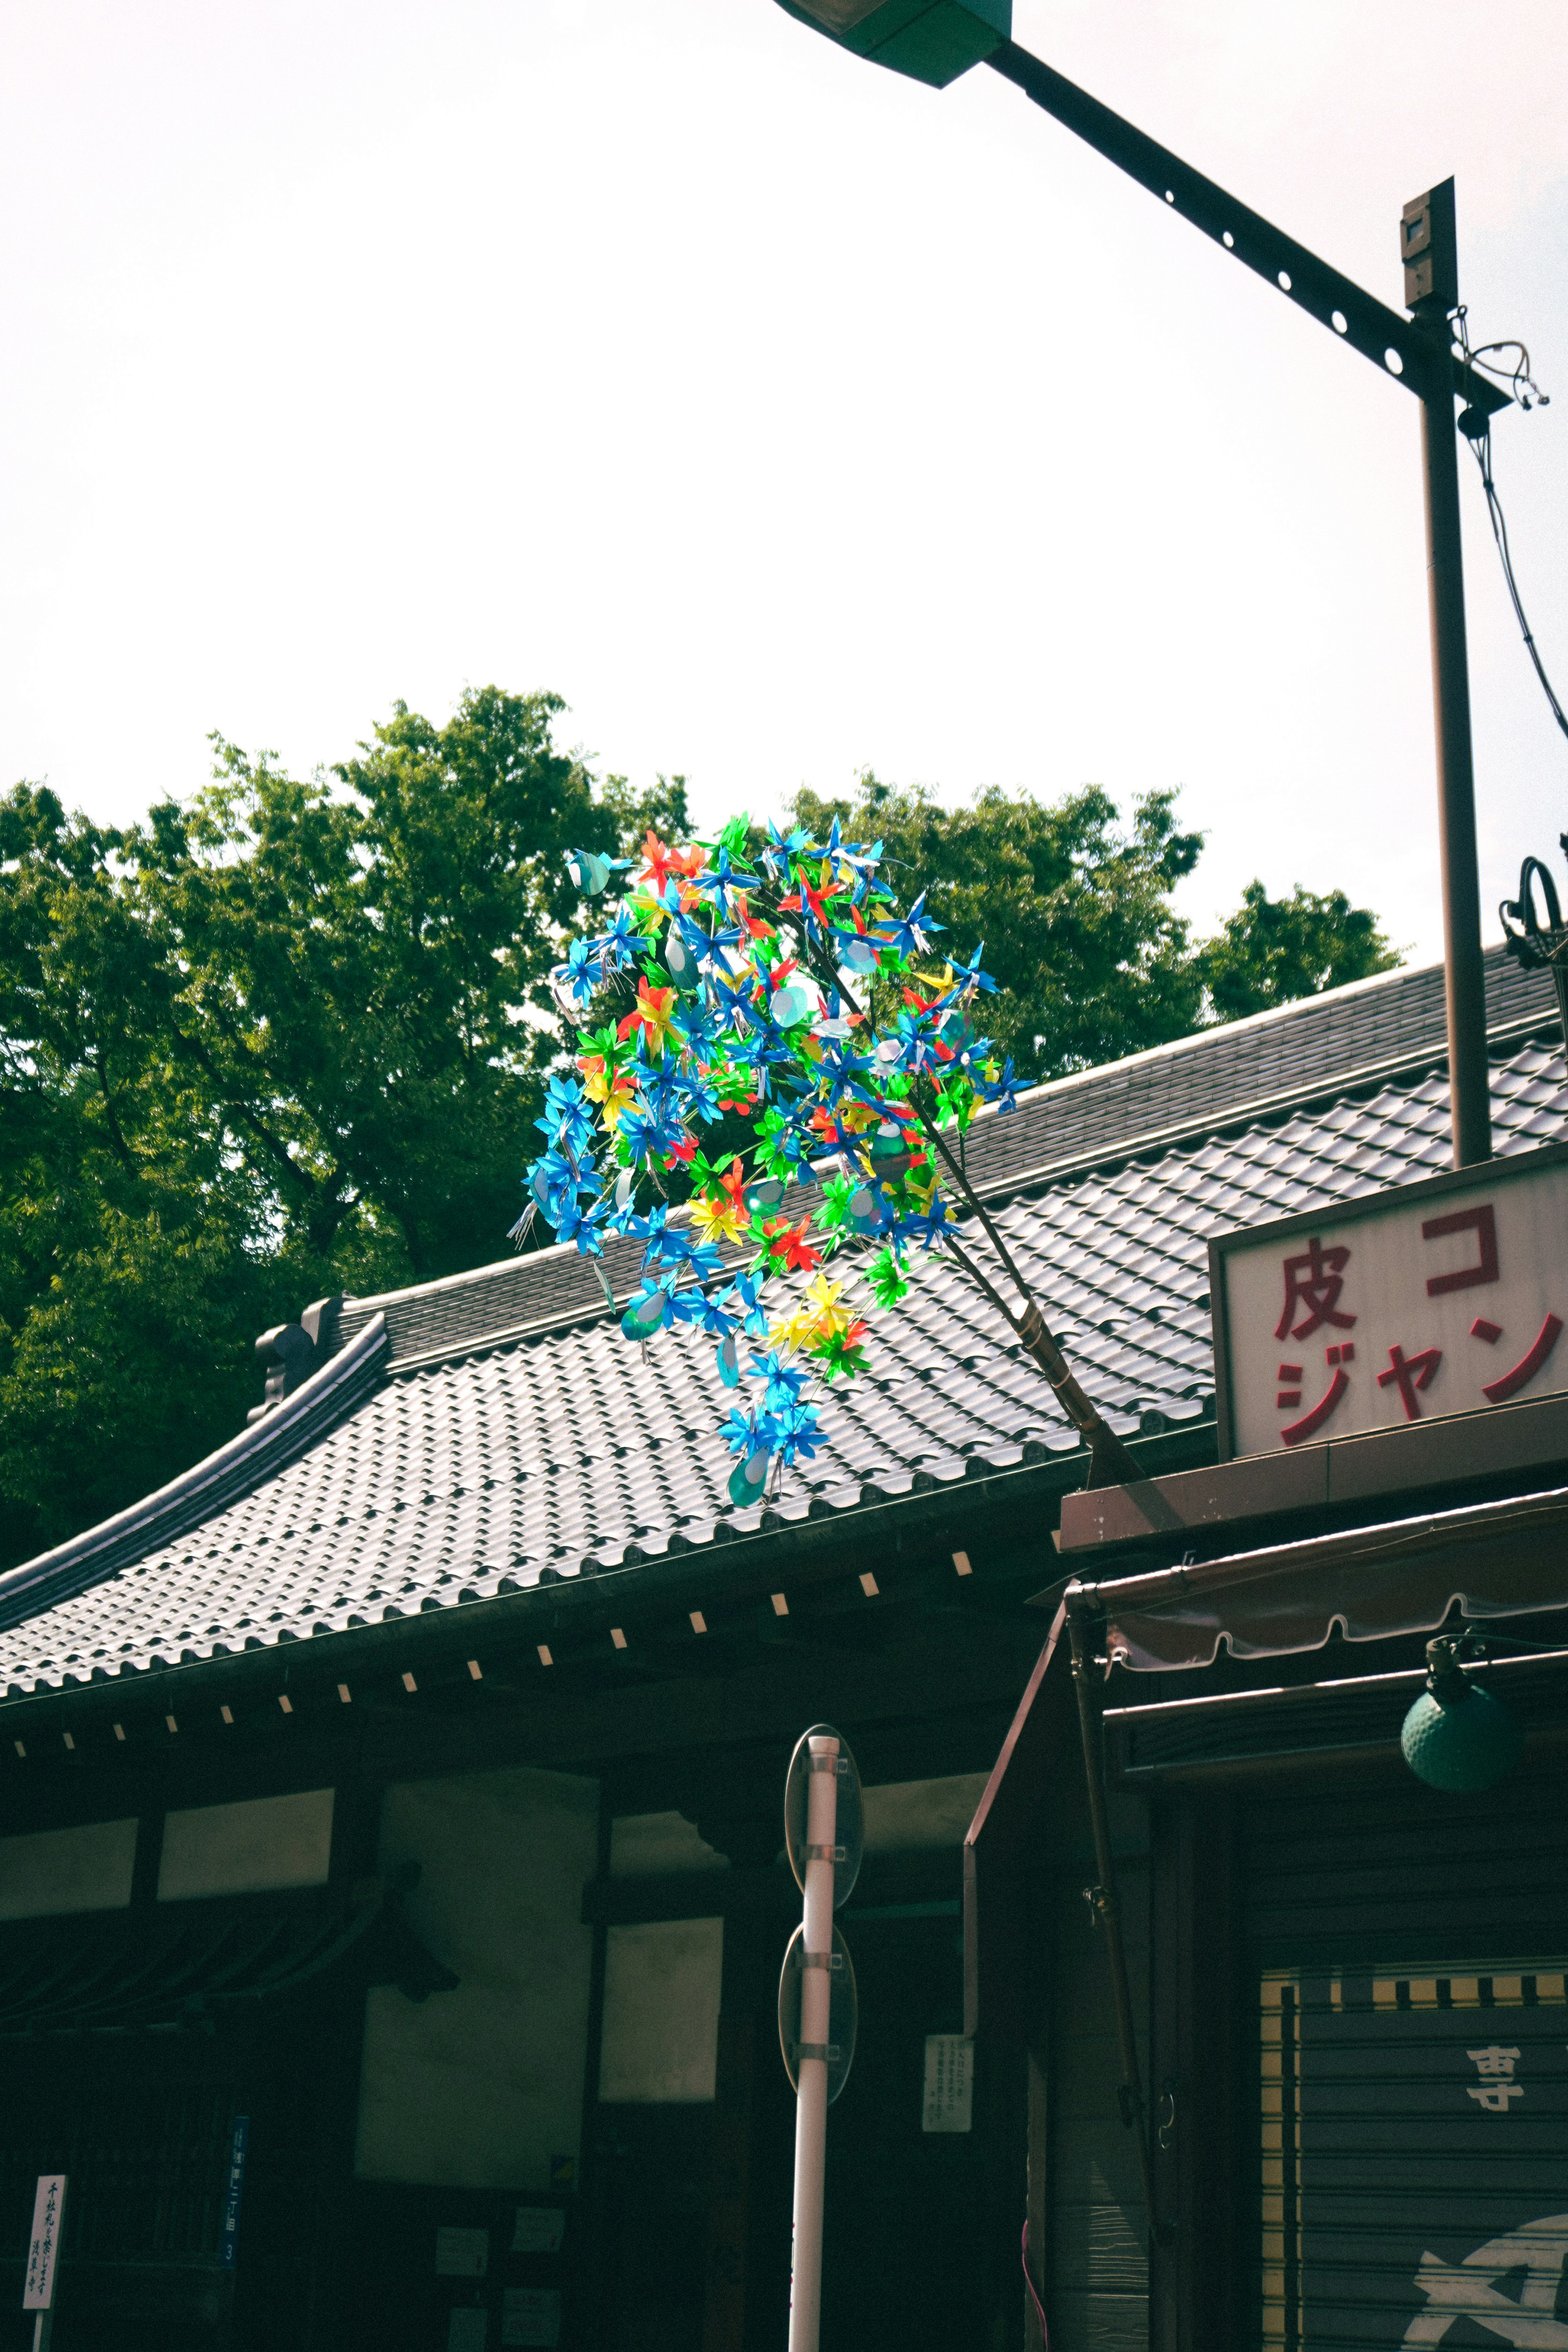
(233, 2189)
(43, 2253)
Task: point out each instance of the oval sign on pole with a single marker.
(849, 1837)
(843, 2012)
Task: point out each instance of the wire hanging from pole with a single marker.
(1476, 427)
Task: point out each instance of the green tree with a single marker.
(357, 973)
(286, 1038)
(1273, 951)
(1074, 907)
(1076, 911)
(133, 1266)
(282, 1040)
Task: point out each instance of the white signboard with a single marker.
(539, 2230)
(1443, 1297)
(462, 2253)
(950, 2084)
(530, 2315)
(44, 2241)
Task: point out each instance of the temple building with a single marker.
(391, 1895)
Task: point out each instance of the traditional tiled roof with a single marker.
(499, 1430)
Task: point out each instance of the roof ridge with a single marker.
(1052, 1090)
(1326, 1091)
(197, 1494)
(1001, 1187)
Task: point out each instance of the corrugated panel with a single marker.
(1413, 2107)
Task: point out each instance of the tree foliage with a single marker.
(284, 1038)
(1073, 908)
(1076, 911)
(1273, 951)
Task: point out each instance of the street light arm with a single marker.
(1325, 293)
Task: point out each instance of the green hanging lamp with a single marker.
(1457, 1736)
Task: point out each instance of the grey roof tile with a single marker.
(562, 1446)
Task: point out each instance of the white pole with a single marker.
(811, 2097)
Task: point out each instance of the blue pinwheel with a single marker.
(800, 1433)
(721, 878)
(967, 977)
(780, 848)
(783, 1383)
(910, 933)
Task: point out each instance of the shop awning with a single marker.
(1492, 1562)
(1369, 1584)
(191, 1965)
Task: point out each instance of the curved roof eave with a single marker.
(240, 1463)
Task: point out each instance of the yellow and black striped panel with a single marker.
(1413, 2149)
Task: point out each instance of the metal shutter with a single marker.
(1413, 2071)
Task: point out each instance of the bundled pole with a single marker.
(815, 2002)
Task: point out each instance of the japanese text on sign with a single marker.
(43, 2241)
(1497, 2085)
(1410, 1305)
(233, 2190)
(949, 2102)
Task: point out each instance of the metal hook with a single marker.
(1518, 917)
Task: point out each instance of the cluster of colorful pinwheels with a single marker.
(796, 1004)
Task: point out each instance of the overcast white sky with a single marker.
(783, 415)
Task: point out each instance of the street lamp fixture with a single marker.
(931, 40)
(936, 43)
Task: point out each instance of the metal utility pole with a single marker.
(937, 42)
(1428, 247)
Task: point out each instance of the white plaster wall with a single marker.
(481, 2087)
(643, 1845)
(901, 1815)
(53, 1871)
(662, 1984)
(246, 1848)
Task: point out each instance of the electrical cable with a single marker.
(1477, 429)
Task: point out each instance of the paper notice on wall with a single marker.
(950, 2084)
(530, 2315)
(540, 2230)
(462, 2253)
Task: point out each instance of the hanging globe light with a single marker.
(1456, 1736)
(890, 1153)
(681, 963)
(645, 1315)
(749, 1477)
(588, 870)
(866, 1213)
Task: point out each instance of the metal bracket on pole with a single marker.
(1538, 945)
(1325, 293)
(1419, 353)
